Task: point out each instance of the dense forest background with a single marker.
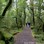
(14, 14)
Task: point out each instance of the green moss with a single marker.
(2, 42)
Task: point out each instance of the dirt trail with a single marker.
(25, 37)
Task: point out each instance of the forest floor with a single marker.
(39, 37)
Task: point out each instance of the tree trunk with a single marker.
(32, 9)
(6, 8)
(24, 16)
(43, 27)
(17, 13)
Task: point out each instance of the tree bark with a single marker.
(24, 16)
(32, 9)
(43, 27)
(6, 8)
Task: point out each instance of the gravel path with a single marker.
(25, 37)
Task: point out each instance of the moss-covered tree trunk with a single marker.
(6, 8)
(32, 9)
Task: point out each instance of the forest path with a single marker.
(25, 37)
